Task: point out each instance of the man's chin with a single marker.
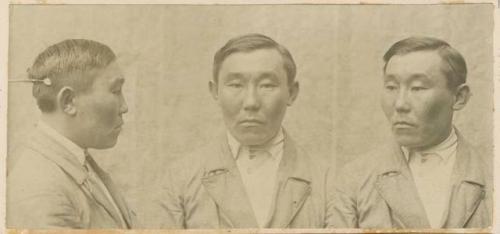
(253, 139)
(105, 145)
(408, 141)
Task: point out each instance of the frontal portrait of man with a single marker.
(53, 181)
(431, 177)
(253, 175)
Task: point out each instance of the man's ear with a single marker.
(65, 100)
(294, 92)
(214, 90)
(462, 95)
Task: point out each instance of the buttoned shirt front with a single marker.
(258, 166)
(81, 157)
(432, 170)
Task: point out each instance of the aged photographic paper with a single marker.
(267, 116)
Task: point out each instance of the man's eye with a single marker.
(418, 88)
(118, 91)
(268, 86)
(390, 87)
(234, 85)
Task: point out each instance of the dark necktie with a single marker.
(98, 191)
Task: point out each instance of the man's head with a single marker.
(254, 82)
(84, 93)
(424, 83)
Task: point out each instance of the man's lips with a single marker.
(403, 124)
(119, 126)
(251, 122)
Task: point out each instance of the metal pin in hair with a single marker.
(45, 81)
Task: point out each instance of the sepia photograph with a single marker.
(277, 117)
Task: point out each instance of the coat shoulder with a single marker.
(186, 168)
(32, 172)
(361, 170)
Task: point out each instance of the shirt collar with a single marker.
(67, 143)
(235, 145)
(444, 149)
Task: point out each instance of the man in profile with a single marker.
(53, 181)
(253, 175)
(431, 177)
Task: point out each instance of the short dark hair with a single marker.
(67, 63)
(456, 69)
(251, 42)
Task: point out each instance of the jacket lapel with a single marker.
(223, 183)
(396, 186)
(293, 187)
(468, 186)
(115, 194)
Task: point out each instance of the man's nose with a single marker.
(123, 106)
(251, 100)
(402, 104)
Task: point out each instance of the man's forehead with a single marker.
(111, 74)
(418, 62)
(263, 55)
(256, 61)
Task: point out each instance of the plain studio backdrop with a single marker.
(166, 52)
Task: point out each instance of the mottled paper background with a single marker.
(167, 53)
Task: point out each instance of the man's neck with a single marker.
(59, 124)
(235, 145)
(448, 141)
(439, 141)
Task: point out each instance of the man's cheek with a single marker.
(277, 108)
(435, 109)
(107, 115)
(230, 108)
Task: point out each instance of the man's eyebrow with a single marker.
(118, 80)
(267, 75)
(389, 77)
(234, 75)
(419, 76)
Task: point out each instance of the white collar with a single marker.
(235, 145)
(443, 149)
(67, 143)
